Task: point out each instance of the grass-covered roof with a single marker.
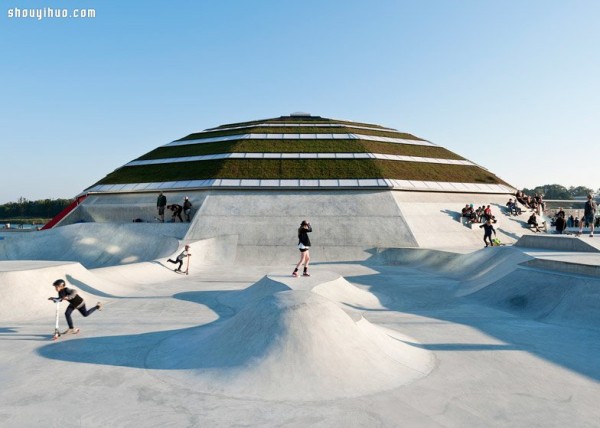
(322, 168)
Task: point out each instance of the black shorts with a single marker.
(304, 249)
(161, 210)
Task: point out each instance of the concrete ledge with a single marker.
(564, 266)
(558, 243)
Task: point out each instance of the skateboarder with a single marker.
(185, 253)
(488, 228)
(303, 246)
(75, 302)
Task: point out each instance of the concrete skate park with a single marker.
(406, 320)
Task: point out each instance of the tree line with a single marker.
(40, 209)
(556, 191)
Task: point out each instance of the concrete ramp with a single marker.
(289, 342)
(435, 219)
(546, 296)
(95, 244)
(26, 286)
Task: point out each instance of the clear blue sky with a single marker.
(513, 86)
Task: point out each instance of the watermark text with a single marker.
(50, 13)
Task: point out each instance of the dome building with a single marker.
(362, 186)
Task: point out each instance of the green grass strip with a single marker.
(300, 146)
(300, 168)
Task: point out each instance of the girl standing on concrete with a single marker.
(303, 246)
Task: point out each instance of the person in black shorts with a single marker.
(589, 214)
(303, 246)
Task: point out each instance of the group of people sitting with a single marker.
(478, 215)
(513, 207)
(535, 203)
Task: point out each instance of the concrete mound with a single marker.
(291, 345)
(327, 284)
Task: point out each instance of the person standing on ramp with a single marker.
(161, 203)
(303, 246)
(589, 216)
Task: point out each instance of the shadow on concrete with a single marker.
(87, 288)
(410, 288)
(132, 350)
(417, 289)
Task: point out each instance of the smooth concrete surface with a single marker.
(346, 224)
(406, 337)
(96, 244)
(581, 244)
(360, 219)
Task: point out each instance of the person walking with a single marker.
(488, 228)
(161, 203)
(179, 260)
(303, 246)
(75, 302)
(187, 209)
(589, 214)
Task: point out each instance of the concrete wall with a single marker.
(344, 222)
(123, 208)
(347, 224)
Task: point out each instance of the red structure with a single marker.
(64, 212)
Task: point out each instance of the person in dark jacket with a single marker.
(187, 209)
(161, 202)
(303, 246)
(560, 223)
(75, 302)
(488, 228)
(177, 209)
(589, 216)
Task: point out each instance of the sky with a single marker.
(513, 86)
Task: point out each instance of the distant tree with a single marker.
(580, 191)
(556, 191)
(45, 208)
